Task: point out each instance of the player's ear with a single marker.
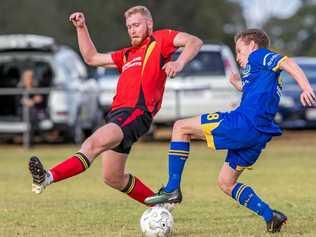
(253, 45)
(150, 24)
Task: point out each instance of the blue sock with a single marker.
(178, 153)
(248, 198)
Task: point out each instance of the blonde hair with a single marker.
(138, 9)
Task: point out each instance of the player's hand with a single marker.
(308, 97)
(234, 77)
(172, 68)
(77, 19)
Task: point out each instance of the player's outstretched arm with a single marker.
(308, 96)
(234, 79)
(191, 44)
(86, 46)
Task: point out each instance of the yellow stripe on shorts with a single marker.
(242, 168)
(207, 130)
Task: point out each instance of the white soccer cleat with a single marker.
(39, 175)
(38, 189)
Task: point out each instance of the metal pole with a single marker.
(26, 119)
(178, 106)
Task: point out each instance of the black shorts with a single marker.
(134, 123)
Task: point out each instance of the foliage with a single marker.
(297, 34)
(211, 20)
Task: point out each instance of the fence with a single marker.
(178, 104)
(25, 125)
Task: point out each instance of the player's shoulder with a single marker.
(261, 55)
(163, 33)
(261, 52)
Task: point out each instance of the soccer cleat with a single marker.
(39, 175)
(164, 197)
(278, 219)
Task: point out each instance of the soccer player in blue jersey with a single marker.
(243, 132)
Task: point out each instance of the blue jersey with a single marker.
(261, 90)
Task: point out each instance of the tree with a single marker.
(297, 34)
(214, 21)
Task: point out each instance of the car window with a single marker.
(205, 63)
(309, 70)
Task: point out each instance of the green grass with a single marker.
(284, 176)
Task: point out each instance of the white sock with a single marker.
(49, 178)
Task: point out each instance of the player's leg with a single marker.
(106, 137)
(183, 131)
(236, 162)
(115, 176)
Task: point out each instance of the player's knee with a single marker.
(225, 185)
(91, 146)
(113, 181)
(179, 125)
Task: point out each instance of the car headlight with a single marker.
(287, 101)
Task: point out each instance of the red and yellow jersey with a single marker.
(142, 81)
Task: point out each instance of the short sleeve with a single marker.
(118, 59)
(166, 37)
(268, 59)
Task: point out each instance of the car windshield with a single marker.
(309, 70)
(205, 63)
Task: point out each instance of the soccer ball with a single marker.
(156, 222)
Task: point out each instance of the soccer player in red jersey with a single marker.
(144, 68)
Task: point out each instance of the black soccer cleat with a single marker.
(278, 219)
(164, 197)
(38, 175)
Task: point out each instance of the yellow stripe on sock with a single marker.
(130, 189)
(178, 154)
(83, 160)
(180, 151)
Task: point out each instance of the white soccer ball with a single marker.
(156, 222)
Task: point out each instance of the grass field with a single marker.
(285, 176)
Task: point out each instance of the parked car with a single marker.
(71, 100)
(201, 87)
(292, 114)
(107, 80)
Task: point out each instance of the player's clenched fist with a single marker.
(77, 18)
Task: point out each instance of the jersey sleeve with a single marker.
(166, 37)
(267, 59)
(118, 59)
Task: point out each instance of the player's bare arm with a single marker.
(88, 51)
(234, 79)
(191, 44)
(308, 96)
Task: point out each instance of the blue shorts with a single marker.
(232, 131)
